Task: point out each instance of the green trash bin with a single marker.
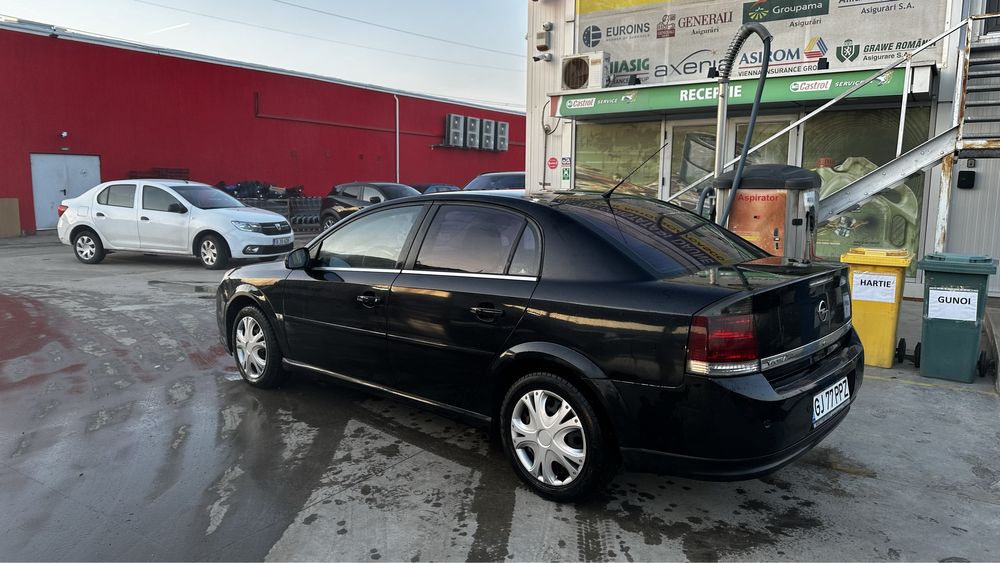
(954, 305)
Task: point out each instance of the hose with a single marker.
(702, 197)
(727, 63)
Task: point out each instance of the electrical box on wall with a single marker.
(472, 132)
(501, 134)
(454, 130)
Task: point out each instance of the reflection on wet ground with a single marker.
(125, 433)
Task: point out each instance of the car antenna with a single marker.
(607, 194)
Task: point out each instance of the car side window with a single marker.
(372, 241)
(469, 239)
(527, 255)
(351, 191)
(120, 195)
(155, 199)
(369, 192)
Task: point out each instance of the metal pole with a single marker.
(397, 137)
(902, 106)
(720, 126)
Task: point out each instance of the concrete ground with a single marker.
(126, 433)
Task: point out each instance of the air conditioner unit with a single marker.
(586, 71)
(454, 130)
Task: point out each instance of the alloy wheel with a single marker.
(85, 247)
(251, 347)
(209, 252)
(548, 437)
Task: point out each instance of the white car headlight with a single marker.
(249, 227)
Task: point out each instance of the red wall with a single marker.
(140, 110)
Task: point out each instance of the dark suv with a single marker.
(587, 331)
(348, 198)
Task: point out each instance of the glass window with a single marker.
(206, 197)
(513, 181)
(369, 192)
(471, 239)
(607, 152)
(117, 196)
(843, 146)
(668, 239)
(528, 254)
(351, 191)
(395, 191)
(372, 241)
(155, 199)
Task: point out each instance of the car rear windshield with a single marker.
(395, 191)
(497, 182)
(669, 240)
(206, 197)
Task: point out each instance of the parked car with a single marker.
(435, 188)
(348, 198)
(587, 331)
(497, 181)
(169, 217)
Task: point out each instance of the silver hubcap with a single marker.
(548, 437)
(85, 247)
(209, 253)
(251, 348)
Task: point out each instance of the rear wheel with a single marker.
(554, 438)
(256, 349)
(87, 247)
(213, 252)
(330, 220)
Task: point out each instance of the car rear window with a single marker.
(497, 182)
(669, 240)
(395, 191)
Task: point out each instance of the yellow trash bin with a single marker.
(877, 278)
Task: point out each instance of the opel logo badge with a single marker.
(822, 310)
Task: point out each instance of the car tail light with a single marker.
(61, 209)
(723, 345)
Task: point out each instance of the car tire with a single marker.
(329, 220)
(87, 247)
(577, 460)
(256, 350)
(213, 252)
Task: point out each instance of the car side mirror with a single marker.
(375, 199)
(297, 259)
(176, 208)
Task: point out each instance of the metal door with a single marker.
(55, 177)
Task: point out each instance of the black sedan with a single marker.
(587, 331)
(345, 199)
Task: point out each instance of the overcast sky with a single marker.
(472, 50)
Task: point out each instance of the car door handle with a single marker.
(99, 214)
(144, 218)
(369, 300)
(485, 313)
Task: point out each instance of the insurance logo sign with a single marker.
(773, 10)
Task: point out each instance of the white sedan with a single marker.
(170, 217)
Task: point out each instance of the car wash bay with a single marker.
(127, 434)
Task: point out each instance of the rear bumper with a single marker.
(722, 469)
(733, 428)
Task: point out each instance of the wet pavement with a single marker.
(125, 433)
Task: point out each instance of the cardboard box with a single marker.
(10, 218)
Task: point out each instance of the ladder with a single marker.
(974, 131)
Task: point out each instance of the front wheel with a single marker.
(213, 252)
(87, 247)
(256, 349)
(554, 438)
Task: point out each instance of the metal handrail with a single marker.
(907, 58)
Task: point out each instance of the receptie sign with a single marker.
(952, 304)
(869, 286)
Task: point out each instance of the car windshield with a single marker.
(395, 191)
(670, 240)
(497, 182)
(206, 197)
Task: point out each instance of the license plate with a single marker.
(829, 399)
(282, 241)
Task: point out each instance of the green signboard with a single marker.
(773, 10)
(814, 87)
